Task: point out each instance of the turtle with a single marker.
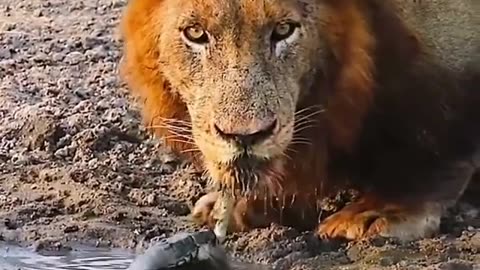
(183, 251)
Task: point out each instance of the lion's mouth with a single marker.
(247, 176)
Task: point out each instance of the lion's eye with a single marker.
(283, 31)
(196, 34)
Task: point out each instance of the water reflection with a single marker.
(15, 258)
(81, 258)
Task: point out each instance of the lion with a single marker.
(285, 102)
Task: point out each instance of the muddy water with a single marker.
(15, 258)
(84, 258)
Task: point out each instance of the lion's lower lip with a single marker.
(244, 174)
(246, 161)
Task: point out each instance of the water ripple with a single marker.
(15, 258)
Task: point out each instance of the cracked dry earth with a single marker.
(76, 165)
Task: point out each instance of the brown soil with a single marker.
(77, 166)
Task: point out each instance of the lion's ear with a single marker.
(142, 71)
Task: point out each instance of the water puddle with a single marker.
(84, 258)
(16, 258)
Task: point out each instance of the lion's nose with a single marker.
(249, 134)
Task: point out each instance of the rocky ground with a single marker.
(76, 164)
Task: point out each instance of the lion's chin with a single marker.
(248, 176)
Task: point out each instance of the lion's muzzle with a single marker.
(247, 133)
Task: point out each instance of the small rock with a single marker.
(71, 229)
(39, 198)
(89, 213)
(9, 26)
(40, 57)
(5, 53)
(91, 42)
(379, 241)
(475, 240)
(119, 216)
(354, 253)
(151, 199)
(455, 265)
(112, 115)
(42, 133)
(38, 13)
(62, 153)
(96, 54)
(58, 57)
(10, 225)
(81, 93)
(74, 58)
(118, 3)
(16, 200)
(48, 245)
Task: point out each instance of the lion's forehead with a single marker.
(246, 14)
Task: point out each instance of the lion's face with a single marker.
(240, 67)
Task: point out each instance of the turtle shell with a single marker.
(199, 250)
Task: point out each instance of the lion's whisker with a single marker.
(302, 117)
(304, 128)
(173, 120)
(183, 136)
(318, 106)
(179, 140)
(299, 140)
(169, 127)
(306, 121)
(192, 150)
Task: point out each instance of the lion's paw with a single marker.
(355, 222)
(203, 213)
(348, 224)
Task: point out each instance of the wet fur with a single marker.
(395, 119)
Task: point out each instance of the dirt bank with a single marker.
(77, 166)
